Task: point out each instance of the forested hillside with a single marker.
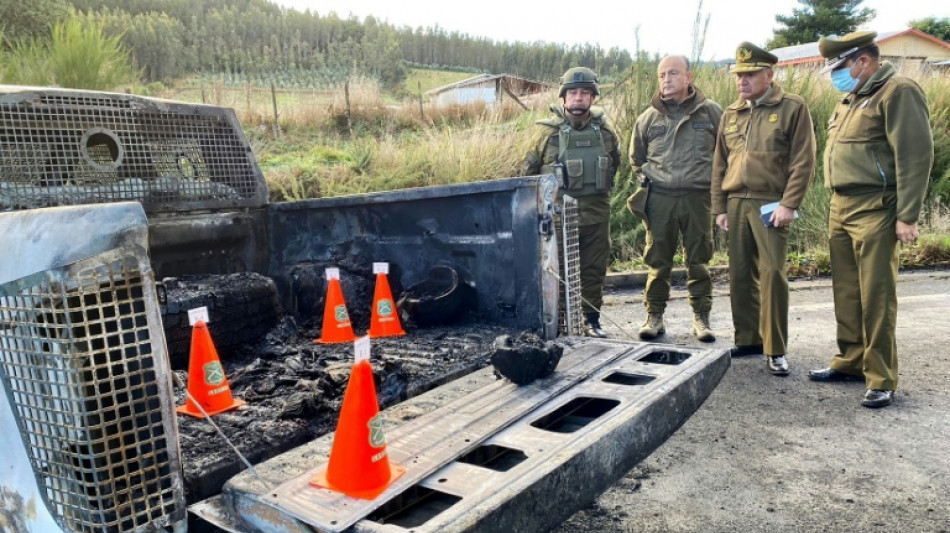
(174, 38)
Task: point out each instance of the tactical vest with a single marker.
(582, 166)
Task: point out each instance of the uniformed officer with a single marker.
(580, 147)
(671, 154)
(877, 163)
(764, 161)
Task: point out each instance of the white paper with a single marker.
(381, 268)
(361, 349)
(333, 273)
(198, 314)
(768, 208)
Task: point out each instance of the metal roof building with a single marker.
(488, 88)
(905, 46)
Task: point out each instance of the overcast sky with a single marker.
(665, 25)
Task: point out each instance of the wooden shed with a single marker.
(908, 48)
(488, 88)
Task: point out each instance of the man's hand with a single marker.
(722, 221)
(782, 217)
(907, 233)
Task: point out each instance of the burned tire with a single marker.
(242, 308)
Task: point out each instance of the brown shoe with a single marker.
(653, 327)
(701, 327)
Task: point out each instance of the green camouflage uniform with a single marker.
(593, 205)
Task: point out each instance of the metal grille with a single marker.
(60, 147)
(569, 303)
(83, 376)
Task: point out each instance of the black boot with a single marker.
(593, 326)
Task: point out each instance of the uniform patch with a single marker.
(702, 126)
(773, 118)
(582, 144)
(731, 128)
(656, 131)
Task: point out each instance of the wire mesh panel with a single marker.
(85, 370)
(569, 304)
(63, 147)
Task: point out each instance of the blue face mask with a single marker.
(843, 81)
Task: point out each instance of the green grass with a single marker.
(387, 144)
(431, 78)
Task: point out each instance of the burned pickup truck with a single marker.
(119, 213)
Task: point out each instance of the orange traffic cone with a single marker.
(336, 321)
(385, 320)
(207, 384)
(359, 464)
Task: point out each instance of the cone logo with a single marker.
(341, 315)
(384, 308)
(376, 437)
(214, 374)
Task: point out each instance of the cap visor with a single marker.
(832, 66)
(744, 68)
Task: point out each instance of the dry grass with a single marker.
(386, 144)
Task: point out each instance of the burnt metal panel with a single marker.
(491, 230)
(567, 438)
(67, 147)
(84, 367)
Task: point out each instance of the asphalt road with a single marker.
(774, 454)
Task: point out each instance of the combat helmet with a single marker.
(578, 77)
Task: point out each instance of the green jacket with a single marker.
(880, 139)
(764, 151)
(673, 144)
(544, 150)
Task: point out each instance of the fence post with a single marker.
(273, 95)
(422, 116)
(346, 97)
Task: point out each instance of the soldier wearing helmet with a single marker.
(578, 146)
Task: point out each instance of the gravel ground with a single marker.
(786, 454)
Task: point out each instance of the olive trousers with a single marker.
(668, 217)
(864, 258)
(758, 283)
(593, 242)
